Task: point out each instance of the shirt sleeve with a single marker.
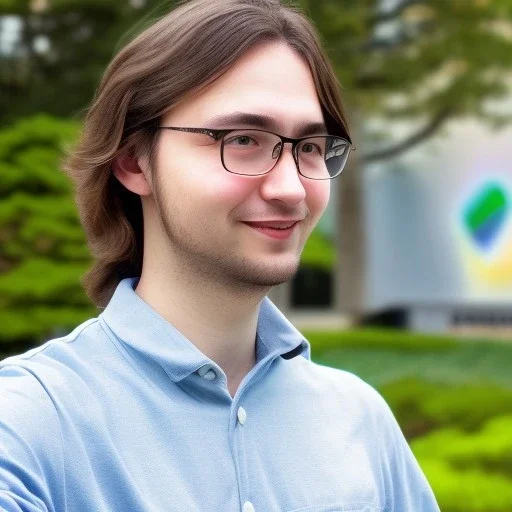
(31, 459)
(407, 488)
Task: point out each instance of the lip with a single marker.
(279, 230)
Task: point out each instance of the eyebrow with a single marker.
(265, 122)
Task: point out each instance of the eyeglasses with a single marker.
(256, 152)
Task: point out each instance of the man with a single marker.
(204, 164)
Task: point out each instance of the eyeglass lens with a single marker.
(253, 152)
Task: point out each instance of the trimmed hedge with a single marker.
(43, 251)
(388, 339)
(467, 491)
(489, 450)
(422, 406)
(386, 355)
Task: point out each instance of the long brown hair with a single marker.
(178, 55)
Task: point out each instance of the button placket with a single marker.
(240, 421)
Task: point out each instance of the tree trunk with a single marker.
(350, 271)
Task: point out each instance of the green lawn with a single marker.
(380, 357)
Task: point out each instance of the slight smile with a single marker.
(280, 230)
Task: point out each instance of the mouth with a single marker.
(280, 230)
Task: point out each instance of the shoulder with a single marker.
(342, 397)
(31, 441)
(355, 403)
(39, 384)
(340, 386)
(23, 376)
(28, 381)
(54, 356)
(30, 431)
(24, 403)
(53, 346)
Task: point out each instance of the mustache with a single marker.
(275, 213)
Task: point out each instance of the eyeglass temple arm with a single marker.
(215, 134)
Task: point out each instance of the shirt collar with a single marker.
(136, 324)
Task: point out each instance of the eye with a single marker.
(240, 140)
(309, 147)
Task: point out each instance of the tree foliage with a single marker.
(62, 51)
(42, 245)
(425, 61)
(421, 60)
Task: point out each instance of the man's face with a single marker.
(223, 225)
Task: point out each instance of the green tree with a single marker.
(424, 62)
(61, 50)
(42, 246)
(434, 59)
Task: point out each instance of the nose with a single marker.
(283, 183)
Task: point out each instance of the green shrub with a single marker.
(43, 252)
(318, 252)
(387, 339)
(383, 356)
(467, 491)
(406, 398)
(468, 406)
(489, 450)
(422, 406)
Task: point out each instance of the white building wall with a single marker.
(419, 248)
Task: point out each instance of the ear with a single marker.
(129, 172)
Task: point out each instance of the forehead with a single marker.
(271, 80)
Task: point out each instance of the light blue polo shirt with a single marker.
(126, 415)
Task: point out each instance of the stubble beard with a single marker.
(219, 266)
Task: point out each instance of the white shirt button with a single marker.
(248, 507)
(242, 416)
(210, 375)
(206, 372)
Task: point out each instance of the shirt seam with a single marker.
(46, 346)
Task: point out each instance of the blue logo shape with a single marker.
(485, 215)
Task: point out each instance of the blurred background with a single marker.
(407, 281)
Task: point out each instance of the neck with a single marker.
(218, 319)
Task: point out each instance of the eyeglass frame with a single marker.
(219, 134)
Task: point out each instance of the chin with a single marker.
(268, 281)
(265, 276)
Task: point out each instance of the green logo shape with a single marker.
(485, 215)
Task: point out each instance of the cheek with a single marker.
(202, 183)
(228, 190)
(317, 197)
